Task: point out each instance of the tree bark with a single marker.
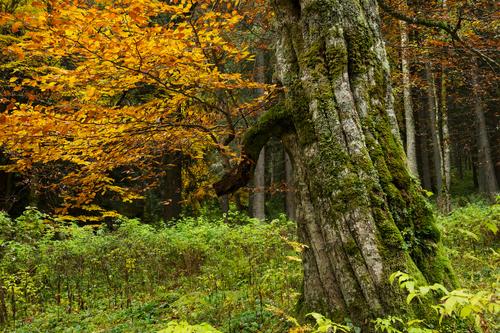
(359, 212)
(290, 189)
(171, 186)
(259, 186)
(411, 149)
(486, 176)
(444, 204)
(424, 149)
(258, 196)
(432, 111)
(445, 201)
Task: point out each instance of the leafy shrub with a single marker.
(199, 270)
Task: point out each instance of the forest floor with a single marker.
(238, 276)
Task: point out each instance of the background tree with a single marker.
(445, 36)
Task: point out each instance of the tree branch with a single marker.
(440, 25)
(274, 122)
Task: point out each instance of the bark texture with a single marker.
(258, 196)
(440, 149)
(359, 211)
(411, 149)
(290, 205)
(259, 186)
(487, 178)
(424, 149)
(445, 202)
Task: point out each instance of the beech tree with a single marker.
(359, 212)
(124, 84)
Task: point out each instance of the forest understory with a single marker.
(236, 274)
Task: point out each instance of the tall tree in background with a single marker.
(411, 144)
(445, 201)
(258, 195)
(487, 179)
(356, 200)
(448, 34)
(434, 130)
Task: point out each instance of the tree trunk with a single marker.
(359, 212)
(290, 189)
(6, 186)
(432, 110)
(258, 197)
(171, 186)
(357, 203)
(474, 167)
(259, 182)
(445, 201)
(486, 176)
(411, 149)
(460, 166)
(424, 150)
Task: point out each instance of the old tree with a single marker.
(360, 213)
(129, 90)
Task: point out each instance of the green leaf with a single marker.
(410, 297)
(466, 311)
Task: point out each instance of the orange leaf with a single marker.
(15, 27)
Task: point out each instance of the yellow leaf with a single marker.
(90, 91)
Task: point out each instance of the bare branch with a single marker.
(440, 25)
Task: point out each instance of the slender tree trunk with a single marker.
(171, 186)
(259, 182)
(424, 149)
(474, 167)
(258, 197)
(355, 195)
(411, 149)
(290, 189)
(445, 200)
(486, 178)
(459, 160)
(432, 110)
(444, 204)
(6, 189)
(224, 205)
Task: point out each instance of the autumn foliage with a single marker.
(102, 85)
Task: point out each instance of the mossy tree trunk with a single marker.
(359, 212)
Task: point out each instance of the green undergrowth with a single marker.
(211, 274)
(138, 278)
(471, 237)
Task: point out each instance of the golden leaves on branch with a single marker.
(119, 83)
